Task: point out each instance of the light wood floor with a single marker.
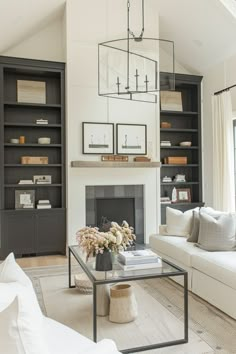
(42, 261)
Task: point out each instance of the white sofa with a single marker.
(211, 275)
(25, 330)
(62, 340)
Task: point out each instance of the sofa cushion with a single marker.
(62, 339)
(217, 234)
(218, 265)
(196, 221)
(178, 223)
(20, 330)
(11, 272)
(175, 247)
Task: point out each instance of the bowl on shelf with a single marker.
(14, 141)
(44, 140)
(185, 143)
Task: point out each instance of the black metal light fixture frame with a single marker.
(128, 93)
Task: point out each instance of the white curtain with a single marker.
(223, 153)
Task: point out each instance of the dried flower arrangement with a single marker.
(118, 238)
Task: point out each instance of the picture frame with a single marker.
(97, 138)
(183, 195)
(29, 91)
(24, 199)
(171, 101)
(42, 179)
(131, 139)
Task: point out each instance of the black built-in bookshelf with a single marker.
(185, 126)
(32, 231)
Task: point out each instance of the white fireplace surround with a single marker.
(80, 178)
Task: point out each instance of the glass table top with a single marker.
(118, 274)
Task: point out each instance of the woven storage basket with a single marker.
(123, 305)
(83, 284)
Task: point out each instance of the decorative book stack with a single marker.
(165, 200)
(44, 204)
(165, 143)
(140, 259)
(41, 121)
(25, 181)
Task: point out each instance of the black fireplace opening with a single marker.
(115, 209)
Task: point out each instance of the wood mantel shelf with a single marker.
(112, 164)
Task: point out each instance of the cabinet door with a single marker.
(51, 231)
(18, 229)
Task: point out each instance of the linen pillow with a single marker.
(217, 234)
(20, 333)
(10, 272)
(196, 221)
(179, 223)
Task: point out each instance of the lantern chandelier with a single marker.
(129, 68)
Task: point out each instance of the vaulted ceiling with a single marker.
(203, 30)
(20, 19)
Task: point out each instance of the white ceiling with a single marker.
(203, 31)
(22, 18)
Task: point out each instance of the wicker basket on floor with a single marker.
(83, 284)
(123, 305)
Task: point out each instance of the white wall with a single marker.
(46, 44)
(219, 77)
(107, 20)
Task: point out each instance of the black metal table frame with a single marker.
(95, 282)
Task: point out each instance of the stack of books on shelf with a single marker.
(41, 121)
(166, 179)
(165, 200)
(140, 259)
(165, 143)
(44, 204)
(25, 181)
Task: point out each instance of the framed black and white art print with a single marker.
(131, 139)
(98, 138)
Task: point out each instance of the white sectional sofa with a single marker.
(211, 275)
(23, 327)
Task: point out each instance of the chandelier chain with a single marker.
(129, 30)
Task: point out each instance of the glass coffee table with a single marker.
(117, 275)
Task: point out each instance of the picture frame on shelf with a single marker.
(183, 195)
(41, 179)
(97, 138)
(131, 139)
(171, 101)
(29, 91)
(24, 199)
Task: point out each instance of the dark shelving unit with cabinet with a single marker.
(32, 231)
(185, 126)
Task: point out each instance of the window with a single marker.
(234, 132)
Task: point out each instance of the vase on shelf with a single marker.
(103, 261)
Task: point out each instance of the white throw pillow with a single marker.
(10, 272)
(217, 234)
(179, 223)
(20, 333)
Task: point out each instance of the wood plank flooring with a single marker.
(41, 261)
